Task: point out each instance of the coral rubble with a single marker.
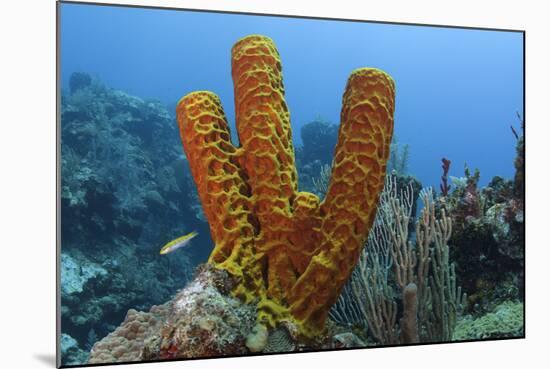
(290, 254)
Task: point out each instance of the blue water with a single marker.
(458, 90)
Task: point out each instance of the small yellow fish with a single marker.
(177, 243)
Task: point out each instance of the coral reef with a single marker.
(399, 157)
(279, 340)
(318, 143)
(123, 195)
(284, 247)
(79, 81)
(489, 232)
(202, 320)
(408, 323)
(102, 131)
(347, 340)
(320, 184)
(126, 343)
(506, 320)
(519, 162)
(70, 351)
(489, 229)
(283, 260)
(74, 275)
(257, 340)
(395, 275)
(444, 186)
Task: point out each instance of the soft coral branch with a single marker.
(444, 186)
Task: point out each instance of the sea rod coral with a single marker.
(290, 253)
(404, 290)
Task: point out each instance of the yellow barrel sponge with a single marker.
(290, 253)
(349, 208)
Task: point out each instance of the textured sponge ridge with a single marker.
(289, 252)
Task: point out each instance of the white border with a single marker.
(27, 154)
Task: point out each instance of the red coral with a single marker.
(444, 186)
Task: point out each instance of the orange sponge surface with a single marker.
(290, 254)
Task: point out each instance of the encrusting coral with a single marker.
(126, 342)
(202, 320)
(506, 320)
(289, 253)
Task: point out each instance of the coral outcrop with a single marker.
(70, 351)
(79, 81)
(490, 233)
(123, 195)
(289, 252)
(125, 344)
(506, 320)
(74, 275)
(202, 320)
(403, 292)
(318, 143)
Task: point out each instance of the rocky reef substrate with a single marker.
(125, 191)
(204, 320)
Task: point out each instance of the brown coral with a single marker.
(200, 321)
(126, 342)
(289, 253)
(203, 321)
